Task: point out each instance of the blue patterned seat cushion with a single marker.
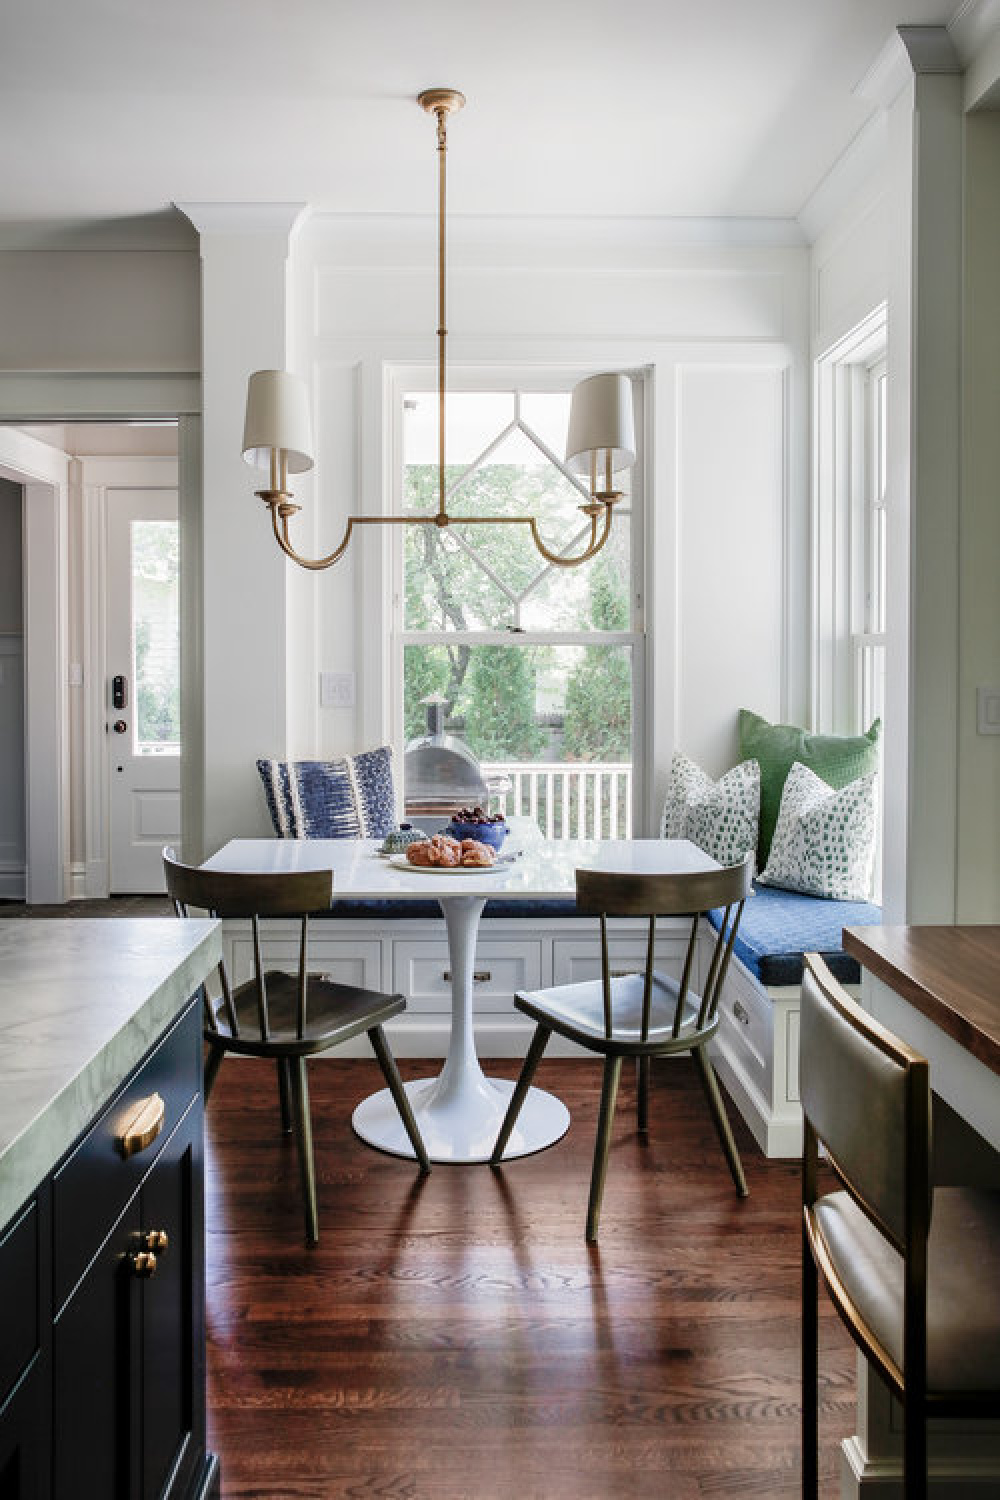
(779, 926)
(351, 798)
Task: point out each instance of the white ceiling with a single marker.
(116, 108)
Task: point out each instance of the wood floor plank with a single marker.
(454, 1336)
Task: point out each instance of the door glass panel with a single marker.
(155, 638)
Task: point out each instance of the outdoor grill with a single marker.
(440, 772)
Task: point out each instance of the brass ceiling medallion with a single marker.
(277, 433)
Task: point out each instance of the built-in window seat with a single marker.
(395, 945)
(757, 1048)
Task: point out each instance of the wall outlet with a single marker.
(336, 690)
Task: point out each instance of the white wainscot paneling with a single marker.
(554, 301)
(731, 570)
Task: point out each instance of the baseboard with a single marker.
(776, 1137)
(882, 1479)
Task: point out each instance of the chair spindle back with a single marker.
(604, 893)
(224, 894)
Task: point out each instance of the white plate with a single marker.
(400, 862)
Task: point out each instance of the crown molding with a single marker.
(245, 218)
(973, 26)
(910, 51)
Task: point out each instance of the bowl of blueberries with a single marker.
(475, 823)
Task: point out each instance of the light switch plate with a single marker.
(988, 710)
(336, 690)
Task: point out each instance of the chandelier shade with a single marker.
(601, 422)
(277, 417)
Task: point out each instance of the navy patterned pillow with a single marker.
(352, 798)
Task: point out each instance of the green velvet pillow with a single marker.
(837, 758)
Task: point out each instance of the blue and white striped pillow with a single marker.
(350, 798)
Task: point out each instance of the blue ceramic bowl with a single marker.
(486, 833)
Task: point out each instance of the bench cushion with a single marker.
(399, 911)
(779, 926)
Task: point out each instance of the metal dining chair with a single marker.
(911, 1269)
(282, 1016)
(641, 1015)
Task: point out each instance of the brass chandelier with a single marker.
(601, 442)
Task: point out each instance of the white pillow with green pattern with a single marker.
(721, 816)
(824, 840)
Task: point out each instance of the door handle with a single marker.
(119, 726)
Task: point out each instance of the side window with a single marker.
(868, 633)
(539, 666)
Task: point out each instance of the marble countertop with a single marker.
(82, 1000)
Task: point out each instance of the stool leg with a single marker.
(710, 1084)
(391, 1075)
(538, 1044)
(283, 1096)
(810, 1374)
(914, 1448)
(609, 1094)
(642, 1085)
(303, 1139)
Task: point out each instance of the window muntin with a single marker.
(540, 664)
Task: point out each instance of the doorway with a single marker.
(142, 687)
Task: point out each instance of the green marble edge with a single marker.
(30, 1154)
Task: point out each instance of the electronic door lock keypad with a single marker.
(119, 694)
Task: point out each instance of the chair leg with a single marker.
(710, 1084)
(303, 1139)
(642, 1089)
(538, 1044)
(284, 1096)
(391, 1075)
(213, 1063)
(810, 1374)
(609, 1094)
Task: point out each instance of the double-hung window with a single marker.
(541, 666)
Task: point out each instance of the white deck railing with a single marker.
(568, 799)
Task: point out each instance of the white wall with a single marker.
(978, 894)
(723, 334)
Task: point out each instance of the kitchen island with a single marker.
(102, 1366)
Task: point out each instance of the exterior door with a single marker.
(142, 692)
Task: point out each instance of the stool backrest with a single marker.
(692, 893)
(866, 1097)
(295, 893)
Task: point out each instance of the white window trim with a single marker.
(841, 513)
(423, 378)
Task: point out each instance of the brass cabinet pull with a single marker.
(156, 1241)
(479, 976)
(143, 1126)
(142, 1263)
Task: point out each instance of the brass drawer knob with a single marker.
(142, 1126)
(142, 1264)
(156, 1241)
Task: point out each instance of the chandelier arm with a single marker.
(591, 550)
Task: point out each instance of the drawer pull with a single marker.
(741, 1013)
(142, 1126)
(479, 976)
(156, 1241)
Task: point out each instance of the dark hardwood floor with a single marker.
(455, 1337)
